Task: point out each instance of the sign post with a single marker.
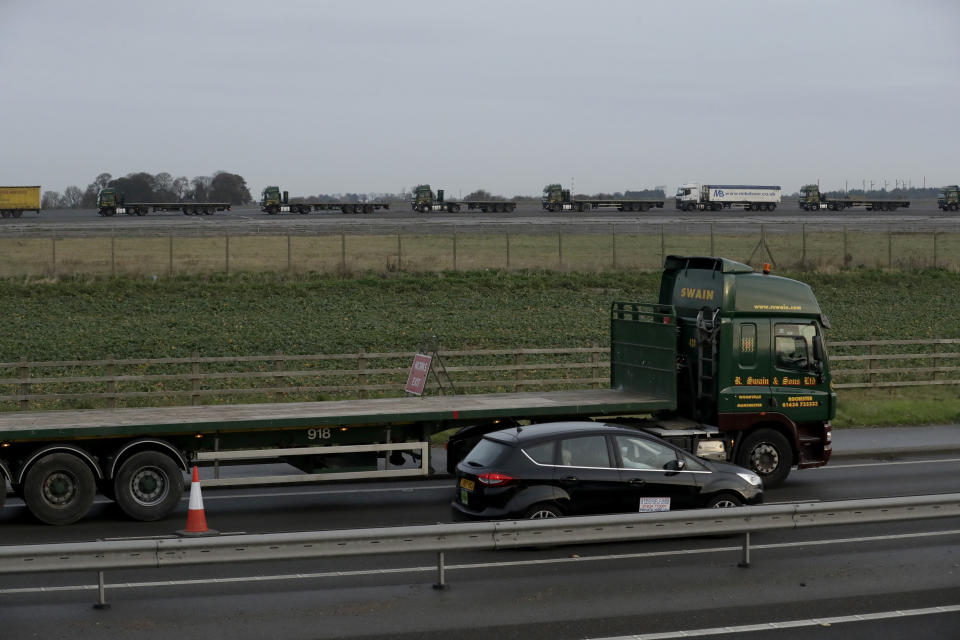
(417, 380)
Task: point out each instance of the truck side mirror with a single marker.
(818, 348)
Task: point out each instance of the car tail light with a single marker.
(492, 479)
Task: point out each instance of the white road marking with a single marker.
(480, 565)
(880, 464)
(790, 624)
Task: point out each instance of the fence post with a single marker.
(560, 250)
(195, 380)
(613, 244)
(361, 367)
(846, 255)
(170, 269)
(803, 246)
(343, 251)
(934, 248)
(595, 359)
(663, 250)
(227, 252)
(937, 375)
(517, 361)
(112, 383)
(280, 365)
(508, 250)
(870, 364)
(889, 247)
(712, 253)
(399, 253)
(53, 252)
(113, 256)
(454, 250)
(289, 254)
(24, 386)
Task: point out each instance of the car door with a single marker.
(652, 469)
(585, 470)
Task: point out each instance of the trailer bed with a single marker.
(247, 417)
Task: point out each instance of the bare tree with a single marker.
(179, 187)
(72, 197)
(51, 200)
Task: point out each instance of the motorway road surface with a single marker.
(853, 582)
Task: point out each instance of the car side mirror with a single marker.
(676, 465)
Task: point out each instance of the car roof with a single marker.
(524, 434)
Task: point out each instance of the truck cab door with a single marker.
(799, 384)
(751, 373)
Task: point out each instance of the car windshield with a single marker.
(486, 453)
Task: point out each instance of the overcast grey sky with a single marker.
(508, 95)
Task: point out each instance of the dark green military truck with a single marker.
(729, 364)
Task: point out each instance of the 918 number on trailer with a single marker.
(318, 434)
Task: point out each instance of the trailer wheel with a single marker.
(59, 489)
(148, 486)
(767, 453)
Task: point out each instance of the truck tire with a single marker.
(767, 453)
(148, 486)
(59, 489)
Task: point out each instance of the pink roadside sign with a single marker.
(417, 379)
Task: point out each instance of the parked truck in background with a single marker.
(949, 198)
(423, 200)
(714, 197)
(273, 201)
(555, 198)
(110, 202)
(15, 200)
(729, 364)
(812, 199)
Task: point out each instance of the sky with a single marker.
(375, 96)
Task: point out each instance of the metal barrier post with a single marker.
(745, 559)
(101, 593)
(441, 577)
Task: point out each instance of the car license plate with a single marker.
(466, 484)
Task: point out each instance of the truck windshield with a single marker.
(683, 192)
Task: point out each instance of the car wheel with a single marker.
(724, 501)
(543, 510)
(767, 453)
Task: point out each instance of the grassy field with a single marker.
(261, 313)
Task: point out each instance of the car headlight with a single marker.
(752, 478)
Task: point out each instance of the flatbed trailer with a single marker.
(110, 203)
(811, 199)
(423, 200)
(555, 199)
(273, 202)
(728, 364)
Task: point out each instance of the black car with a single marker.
(578, 468)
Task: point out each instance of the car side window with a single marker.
(587, 451)
(541, 453)
(640, 453)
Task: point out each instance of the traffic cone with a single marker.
(196, 519)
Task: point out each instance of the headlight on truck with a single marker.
(752, 478)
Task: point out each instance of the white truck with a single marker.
(714, 197)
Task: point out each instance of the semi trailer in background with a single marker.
(812, 199)
(273, 201)
(423, 200)
(714, 197)
(110, 202)
(15, 200)
(555, 198)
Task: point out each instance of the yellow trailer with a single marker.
(15, 200)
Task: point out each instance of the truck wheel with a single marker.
(59, 489)
(148, 486)
(767, 453)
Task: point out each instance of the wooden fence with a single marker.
(109, 382)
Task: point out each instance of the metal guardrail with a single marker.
(441, 538)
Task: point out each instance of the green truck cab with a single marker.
(752, 361)
(812, 199)
(949, 198)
